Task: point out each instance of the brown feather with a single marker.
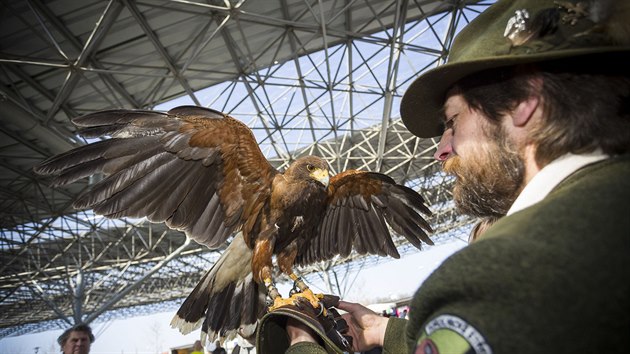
(361, 207)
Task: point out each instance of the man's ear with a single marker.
(524, 111)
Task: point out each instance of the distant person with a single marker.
(197, 348)
(76, 340)
(403, 314)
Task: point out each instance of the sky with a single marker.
(390, 279)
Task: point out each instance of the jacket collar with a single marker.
(551, 175)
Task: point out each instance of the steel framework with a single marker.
(320, 77)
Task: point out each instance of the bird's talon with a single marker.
(322, 311)
(280, 302)
(296, 298)
(314, 299)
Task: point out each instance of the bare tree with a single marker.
(155, 336)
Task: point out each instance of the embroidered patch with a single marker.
(451, 334)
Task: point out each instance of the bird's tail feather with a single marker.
(227, 301)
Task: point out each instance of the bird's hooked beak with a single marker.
(321, 175)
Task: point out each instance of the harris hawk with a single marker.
(202, 172)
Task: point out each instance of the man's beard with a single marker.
(487, 183)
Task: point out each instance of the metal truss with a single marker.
(321, 77)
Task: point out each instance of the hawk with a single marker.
(202, 172)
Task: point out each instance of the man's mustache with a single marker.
(452, 166)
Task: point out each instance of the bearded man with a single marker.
(533, 109)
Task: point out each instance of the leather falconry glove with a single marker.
(327, 324)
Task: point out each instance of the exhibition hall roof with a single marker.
(319, 77)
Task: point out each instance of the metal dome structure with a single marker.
(321, 77)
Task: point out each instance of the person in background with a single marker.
(76, 340)
(533, 109)
(403, 314)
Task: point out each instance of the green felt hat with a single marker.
(514, 32)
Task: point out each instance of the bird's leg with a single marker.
(306, 292)
(272, 291)
(261, 267)
(286, 259)
(274, 299)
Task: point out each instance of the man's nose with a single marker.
(444, 149)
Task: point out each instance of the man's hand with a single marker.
(366, 327)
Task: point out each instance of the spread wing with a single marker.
(362, 207)
(196, 169)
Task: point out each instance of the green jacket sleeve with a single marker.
(394, 342)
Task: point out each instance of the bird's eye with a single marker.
(310, 167)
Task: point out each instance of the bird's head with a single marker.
(311, 167)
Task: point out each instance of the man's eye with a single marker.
(450, 122)
(442, 126)
(448, 125)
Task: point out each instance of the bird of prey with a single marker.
(202, 172)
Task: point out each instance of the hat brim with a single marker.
(422, 104)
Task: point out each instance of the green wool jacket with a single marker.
(552, 278)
